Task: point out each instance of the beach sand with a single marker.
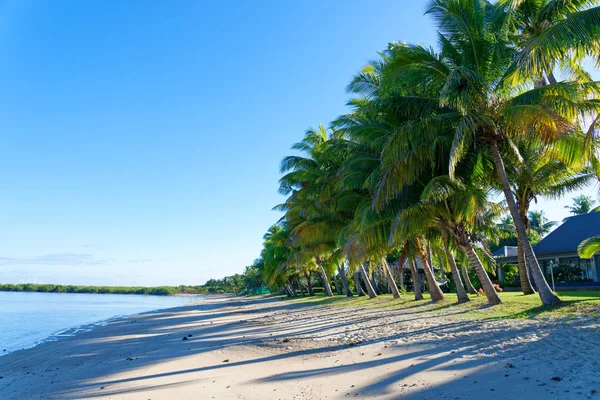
(264, 348)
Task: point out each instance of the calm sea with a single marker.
(27, 319)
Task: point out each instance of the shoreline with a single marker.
(251, 348)
(69, 331)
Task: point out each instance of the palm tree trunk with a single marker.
(434, 290)
(486, 283)
(338, 287)
(526, 286)
(342, 273)
(311, 292)
(461, 293)
(359, 290)
(468, 282)
(430, 257)
(299, 284)
(390, 279)
(416, 280)
(374, 282)
(546, 294)
(289, 289)
(326, 285)
(365, 278)
(293, 287)
(401, 262)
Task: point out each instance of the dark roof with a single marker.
(506, 251)
(567, 236)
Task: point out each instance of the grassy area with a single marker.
(514, 305)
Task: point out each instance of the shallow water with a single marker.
(27, 319)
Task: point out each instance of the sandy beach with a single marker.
(240, 348)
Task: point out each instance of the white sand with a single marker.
(268, 349)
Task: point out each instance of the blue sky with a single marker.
(141, 141)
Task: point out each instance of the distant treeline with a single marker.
(50, 288)
(236, 284)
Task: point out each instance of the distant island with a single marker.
(231, 284)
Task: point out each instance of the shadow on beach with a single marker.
(431, 343)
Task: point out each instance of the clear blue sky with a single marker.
(141, 140)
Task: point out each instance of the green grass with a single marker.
(514, 305)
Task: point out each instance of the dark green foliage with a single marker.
(50, 288)
(511, 275)
(568, 273)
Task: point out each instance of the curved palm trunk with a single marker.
(326, 285)
(359, 290)
(461, 293)
(416, 281)
(468, 282)
(486, 283)
(365, 277)
(546, 294)
(342, 273)
(526, 286)
(390, 279)
(467, 279)
(311, 292)
(434, 290)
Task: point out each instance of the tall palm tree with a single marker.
(548, 170)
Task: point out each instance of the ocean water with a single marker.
(27, 319)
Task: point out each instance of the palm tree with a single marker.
(461, 293)
(544, 170)
(539, 223)
(275, 256)
(582, 204)
(308, 183)
(457, 209)
(485, 108)
(552, 34)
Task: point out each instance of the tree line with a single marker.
(50, 288)
(234, 284)
(502, 108)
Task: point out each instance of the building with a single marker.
(557, 254)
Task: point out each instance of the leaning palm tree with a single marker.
(544, 170)
(453, 207)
